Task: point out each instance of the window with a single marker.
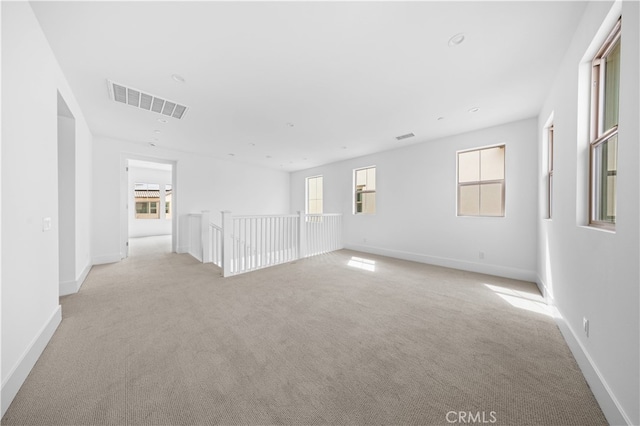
(314, 195)
(550, 171)
(146, 209)
(603, 150)
(481, 182)
(168, 194)
(365, 197)
(147, 196)
(142, 208)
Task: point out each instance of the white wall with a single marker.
(588, 272)
(203, 183)
(66, 199)
(31, 79)
(147, 227)
(416, 204)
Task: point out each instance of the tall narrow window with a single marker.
(168, 194)
(365, 191)
(481, 182)
(314, 195)
(604, 132)
(550, 172)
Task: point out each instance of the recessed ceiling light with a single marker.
(162, 120)
(456, 40)
(178, 78)
(474, 109)
(157, 131)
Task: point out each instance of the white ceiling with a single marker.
(349, 76)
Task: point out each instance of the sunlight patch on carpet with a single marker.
(360, 263)
(521, 299)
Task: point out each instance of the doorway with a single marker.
(149, 189)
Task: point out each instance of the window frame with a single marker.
(367, 191)
(600, 135)
(168, 194)
(148, 214)
(481, 182)
(307, 199)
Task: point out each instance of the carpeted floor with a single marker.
(342, 338)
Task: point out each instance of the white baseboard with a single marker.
(608, 402)
(21, 370)
(482, 268)
(107, 258)
(72, 287)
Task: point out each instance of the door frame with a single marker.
(124, 199)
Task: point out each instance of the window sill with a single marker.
(481, 217)
(598, 228)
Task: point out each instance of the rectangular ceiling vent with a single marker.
(407, 136)
(139, 99)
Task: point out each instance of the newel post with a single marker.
(302, 235)
(226, 243)
(205, 238)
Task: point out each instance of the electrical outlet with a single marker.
(46, 224)
(585, 325)
(481, 255)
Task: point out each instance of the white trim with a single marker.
(355, 191)
(22, 368)
(608, 402)
(482, 268)
(72, 287)
(124, 218)
(107, 258)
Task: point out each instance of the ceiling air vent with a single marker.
(139, 99)
(407, 136)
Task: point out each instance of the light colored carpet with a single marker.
(161, 339)
(147, 246)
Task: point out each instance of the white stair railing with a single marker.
(248, 243)
(196, 236)
(215, 242)
(323, 233)
(261, 241)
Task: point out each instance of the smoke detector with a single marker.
(140, 99)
